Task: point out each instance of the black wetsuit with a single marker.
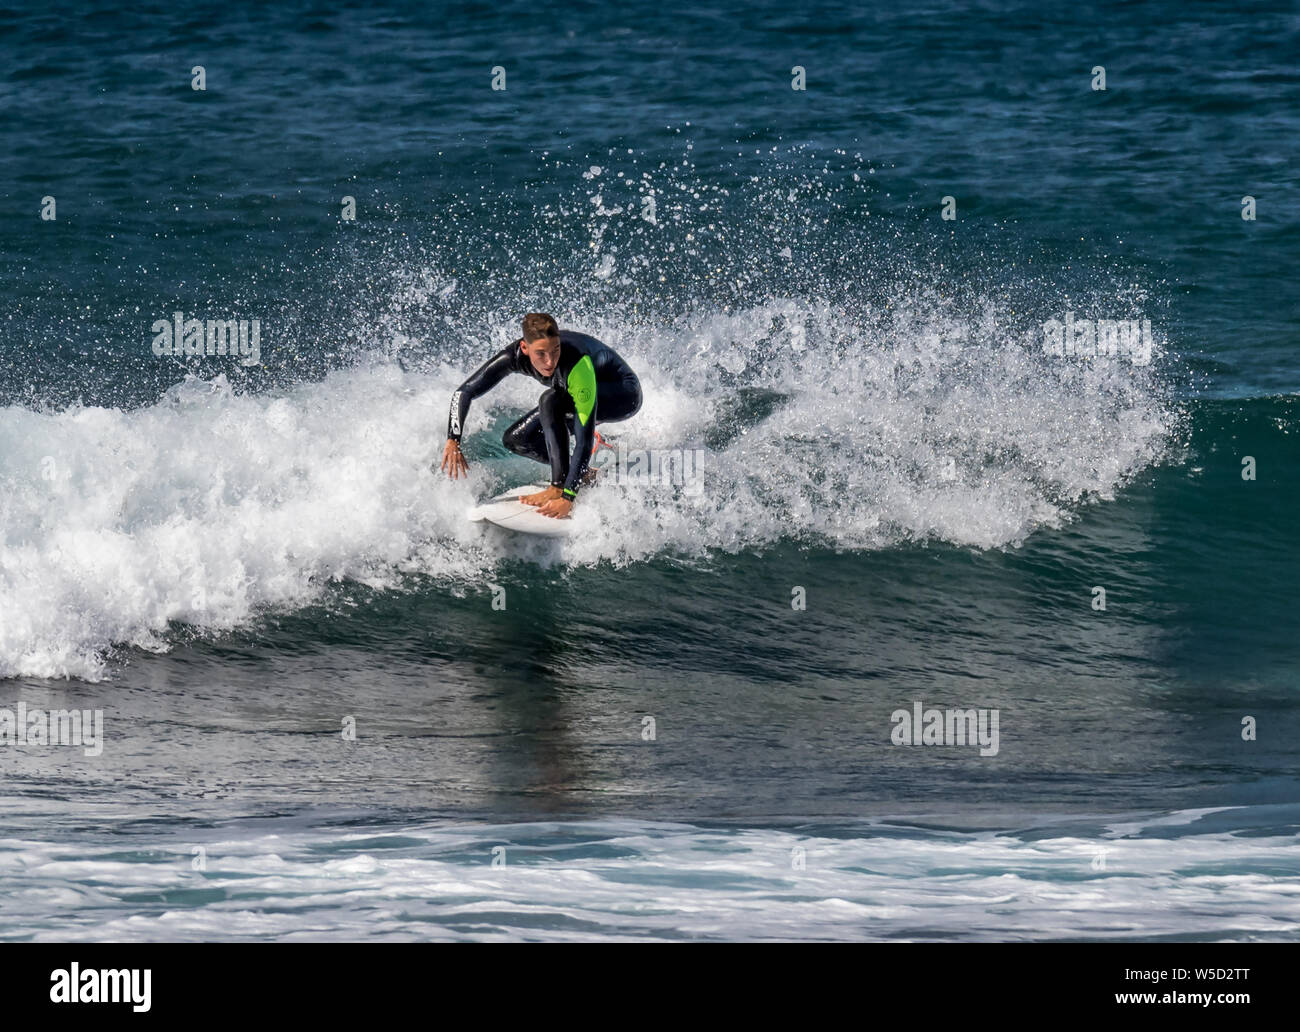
(591, 384)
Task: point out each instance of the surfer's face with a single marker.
(544, 354)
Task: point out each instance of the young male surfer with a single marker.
(587, 383)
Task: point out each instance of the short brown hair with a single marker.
(539, 326)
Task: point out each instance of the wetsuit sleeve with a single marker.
(581, 383)
(482, 380)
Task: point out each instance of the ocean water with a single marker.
(332, 708)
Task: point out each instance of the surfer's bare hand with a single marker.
(453, 462)
(557, 507)
(542, 497)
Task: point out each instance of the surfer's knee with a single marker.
(551, 405)
(626, 403)
(515, 438)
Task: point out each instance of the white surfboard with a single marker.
(505, 510)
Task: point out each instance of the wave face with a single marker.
(843, 431)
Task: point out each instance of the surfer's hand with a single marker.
(542, 497)
(557, 507)
(453, 462)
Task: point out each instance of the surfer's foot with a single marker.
(541, 497)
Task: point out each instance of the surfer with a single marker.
(587, 383)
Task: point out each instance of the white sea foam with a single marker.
(625, 880)
(209, 505)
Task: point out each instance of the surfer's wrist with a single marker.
(569, 493)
